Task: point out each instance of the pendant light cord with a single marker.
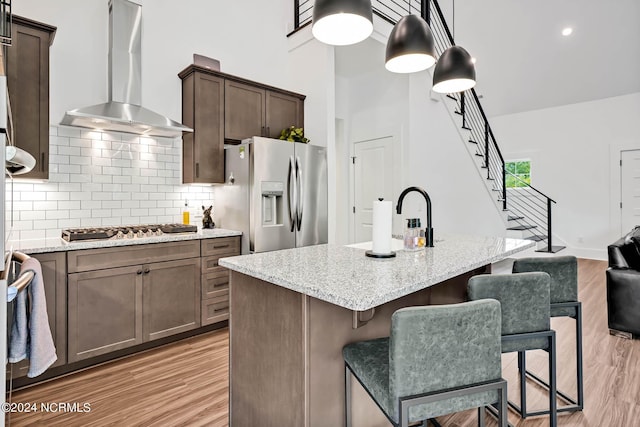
(454, 21)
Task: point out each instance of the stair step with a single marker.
(451, 97)
(514, 218)
(553, 250)
(491, 179)
(536, 238)
(458, 112)
(479, 155)
(523, 227)
(483, 167)
(473, 142)
(466, 128)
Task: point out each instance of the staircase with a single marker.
(527, 210)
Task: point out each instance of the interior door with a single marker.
(273, 195)
(630, 190)
(373, 178)
(312, 208)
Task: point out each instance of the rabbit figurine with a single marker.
(207, 221)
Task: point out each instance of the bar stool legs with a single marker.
(574, 404)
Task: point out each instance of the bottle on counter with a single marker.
(185, 213)
(412, 234)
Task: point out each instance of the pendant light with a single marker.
(342, 22)
(410, 47)
(454, 71)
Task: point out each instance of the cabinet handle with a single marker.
(262, 131)
(139, 272)
(42, 161)
(146, 270)
(220, 247)
(197, 170)
(268, 131)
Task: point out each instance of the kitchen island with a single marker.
(293, 310)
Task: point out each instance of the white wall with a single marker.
(438, 161)
(574, 152)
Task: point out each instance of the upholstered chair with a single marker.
(564, 303)
(437, 360)
(524, 300)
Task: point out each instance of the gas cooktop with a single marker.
(125, 232)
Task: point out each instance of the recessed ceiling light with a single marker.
(567, 31)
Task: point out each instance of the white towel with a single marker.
(30, 334)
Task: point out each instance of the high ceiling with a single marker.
(524, 62)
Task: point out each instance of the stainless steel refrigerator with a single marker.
(275, 193)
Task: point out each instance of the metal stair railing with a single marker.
(535, 209)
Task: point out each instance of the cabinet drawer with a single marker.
(215, 284)
(215, 310)
(120, 256)
(223, 245)
(210, 263)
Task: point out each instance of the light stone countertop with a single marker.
(57, 244)
(344, 276)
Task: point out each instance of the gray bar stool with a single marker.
(438, 360)
(564, 303)
(524, 299)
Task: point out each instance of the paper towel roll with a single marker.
(381, 229)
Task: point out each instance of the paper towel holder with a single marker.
(372, 254)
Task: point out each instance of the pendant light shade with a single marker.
(342, 22)
(410, 47)
(454, 71)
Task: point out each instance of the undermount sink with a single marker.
(396, 245)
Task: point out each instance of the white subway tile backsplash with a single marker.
(58, 195)
(104, 178)
(79, 160)
(69, 132)
(69, 151)
(101, 195)
(90, 204)
(72, 204)
(77, 142)
(80, 178)
(59, 214)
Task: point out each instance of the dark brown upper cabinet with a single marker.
(28, 84)
(244, 107)
(203, 111)
(222, 108)
(257, 110)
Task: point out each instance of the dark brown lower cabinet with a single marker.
(104, 311)
(54, 272)
(170, 298)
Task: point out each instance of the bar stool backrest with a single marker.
(524, 300)
(564, 279)
(434, 348)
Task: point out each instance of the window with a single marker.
(518, 173)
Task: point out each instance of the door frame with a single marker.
(396, 134)
(615, 182)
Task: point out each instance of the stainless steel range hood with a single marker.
(124, 112)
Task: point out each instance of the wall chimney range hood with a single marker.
(123, 112)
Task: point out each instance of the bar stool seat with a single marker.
(438, 360)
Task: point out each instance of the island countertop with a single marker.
(344, 276)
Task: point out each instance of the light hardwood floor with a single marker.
(185, 384)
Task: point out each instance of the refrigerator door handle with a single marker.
(291, 193)
(300, 192)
